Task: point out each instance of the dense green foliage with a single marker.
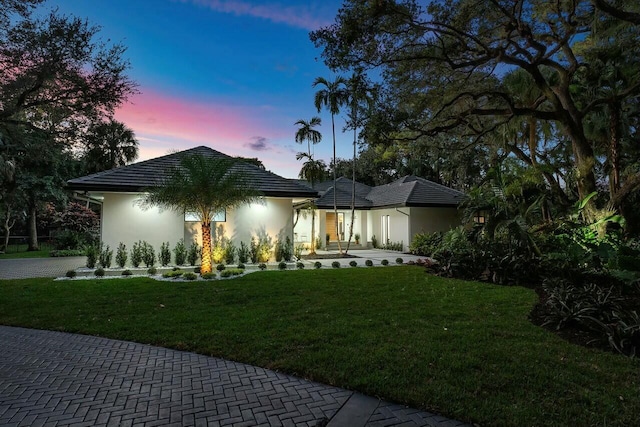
(463, 349)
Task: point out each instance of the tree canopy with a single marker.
(507, 75)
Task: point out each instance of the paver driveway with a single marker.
(21, 268)
(55, 378)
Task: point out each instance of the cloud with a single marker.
(259, 143)
(164, 123)
(294, 16)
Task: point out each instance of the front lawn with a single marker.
(463, 349)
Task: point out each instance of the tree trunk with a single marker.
(205, 266)
(33, 229)
(312, 250)
(8, 225)
(335, 179)
(614, 148)
(353, 186)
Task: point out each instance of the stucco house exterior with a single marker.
(394, 212)
(123, 219)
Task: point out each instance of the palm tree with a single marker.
(309, 169)
(332, 96)
(109, 145)
(204, 186)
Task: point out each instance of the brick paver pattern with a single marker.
(55, 378)
(22, 268)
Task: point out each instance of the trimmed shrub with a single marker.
(194, 253)
(243, 253)
(71, 274)
(99, 272)
(220, 267)
(262, 266)
(353, 263)
(231, 272)
(368, 263)
(127, 273)
(148, 255)
(121, 255)
(165, 254)
(229, 252)
(284, 250)
(261, 249)
(384, 262)
(136, 254)
(399, 261)
(190, 276)
(374, 241)
(209, 276)
(92, 255)
(197, 270)
(317, 265)
(105, 257)
(180, 252)
(152, 271)
(335, 264)
(282, 265)
(300, 265)
(241, 266)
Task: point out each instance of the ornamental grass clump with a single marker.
(99, 272)
(317, 265)
(282, 265)
(229, 272)
(335, 264)
(220, 267)
(353, 263)
(300, 265)
(71, 274)
(368, 263)
(262, 266)
(127, 273)
(399, 261)
(384, 262)
(209, 276)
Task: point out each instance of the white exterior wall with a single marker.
(429, 220)
(123, 220)
(302, 232)
(398, 227)
(272, 216)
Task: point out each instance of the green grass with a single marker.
(463, 349)
(20, 251)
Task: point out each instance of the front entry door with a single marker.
(331, 225)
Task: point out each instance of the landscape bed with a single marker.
(464, 349)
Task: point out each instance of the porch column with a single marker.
(364, 235)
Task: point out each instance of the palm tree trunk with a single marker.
(353, 184)
(335, 179)
(313, 230)
(206, 267)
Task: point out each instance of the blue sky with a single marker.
(234, 75)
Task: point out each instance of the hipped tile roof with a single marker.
(406, 191)
(149, 173)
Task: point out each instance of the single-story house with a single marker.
(391, 213)
(123, 219)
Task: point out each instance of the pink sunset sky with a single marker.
(229, 74)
